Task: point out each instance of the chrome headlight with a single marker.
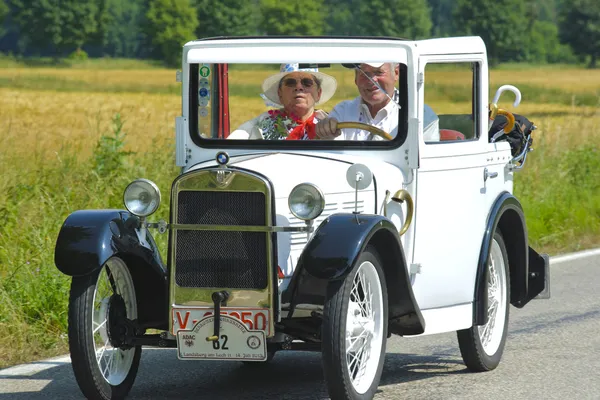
(306, 201)
(141, 197)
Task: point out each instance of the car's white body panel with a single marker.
(446, 181)
(447, 319)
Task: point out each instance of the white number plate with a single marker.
(235, 342)
(255, 319)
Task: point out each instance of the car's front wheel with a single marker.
(101, 307)
(481, 347)
(354, 330)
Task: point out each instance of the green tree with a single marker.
(500, 23)
(227, 18)
(579, 26)
(441, 17)
(4, 10)
(292, 17)
(62, 24)
(102, 20)
(397, 18)
(340, 16)
(543, 45)
(544, 10)
(121, 28)
(169, 25)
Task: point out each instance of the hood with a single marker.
(285, 171)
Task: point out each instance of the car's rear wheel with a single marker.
(481, 347)
(354, 330)
(100, 306)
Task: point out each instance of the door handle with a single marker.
(487, 174)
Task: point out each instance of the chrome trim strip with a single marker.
(234, 228)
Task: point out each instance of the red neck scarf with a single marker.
(304, 128)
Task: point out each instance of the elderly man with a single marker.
(377, 105)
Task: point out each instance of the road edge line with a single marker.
(34, 367)
(560, 259)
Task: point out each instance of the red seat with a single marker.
(451, 134)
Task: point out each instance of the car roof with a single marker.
(279, 49)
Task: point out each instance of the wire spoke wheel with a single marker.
(492, 332)
(355, 330)
(114, 295)
(363, 327)
(101, 308)
(482, 346)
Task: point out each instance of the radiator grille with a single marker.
(214, 259)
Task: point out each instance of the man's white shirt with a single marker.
(357, 111)
(386, 119)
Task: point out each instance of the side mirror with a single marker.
(359, 177)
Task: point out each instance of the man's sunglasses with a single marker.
(306, 82)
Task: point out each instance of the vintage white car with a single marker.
(400, 222)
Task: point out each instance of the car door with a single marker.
(450, 199)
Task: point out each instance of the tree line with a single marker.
(536, 31)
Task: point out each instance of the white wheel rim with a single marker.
(492, 332)
(364, 327)
(114, 363)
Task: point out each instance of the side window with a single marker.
(451, 98)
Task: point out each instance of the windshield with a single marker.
(298, 104)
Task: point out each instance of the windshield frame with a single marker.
(216, 101)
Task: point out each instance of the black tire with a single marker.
(335, 315)
(86, 293)
(476, 356)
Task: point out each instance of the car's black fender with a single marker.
(332, 253)
(88, 238)
(507, 216)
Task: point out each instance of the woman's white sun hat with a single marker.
(271, 84)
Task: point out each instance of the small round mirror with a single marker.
(359, 176)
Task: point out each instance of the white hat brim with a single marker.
(271, 86)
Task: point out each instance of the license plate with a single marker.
(235, 341)
(255, 319)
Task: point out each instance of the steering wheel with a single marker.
(370, 128)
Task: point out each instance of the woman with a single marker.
(297, 92)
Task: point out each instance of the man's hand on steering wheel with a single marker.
(330, 128)
(326, 129)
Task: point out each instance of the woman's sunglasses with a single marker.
(291, 82)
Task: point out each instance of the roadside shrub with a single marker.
(78, 55)
(109, 156)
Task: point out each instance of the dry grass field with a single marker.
(45, 107)
(60, 151)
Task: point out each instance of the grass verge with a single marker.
(34, 203)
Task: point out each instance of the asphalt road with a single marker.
(552, 352)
